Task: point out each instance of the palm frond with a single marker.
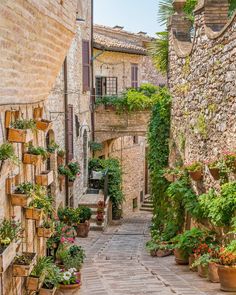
(165, 10)
(158, 50)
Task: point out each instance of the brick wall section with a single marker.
(35, 36)
(202, 83)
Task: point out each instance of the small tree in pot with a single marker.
(84, 216)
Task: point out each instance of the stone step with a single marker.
(146, 209)
(94, 226)
(147, 205)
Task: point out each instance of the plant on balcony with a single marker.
(7, 152)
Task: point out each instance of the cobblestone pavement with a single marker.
(117, 263)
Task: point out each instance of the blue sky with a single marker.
(134, 15)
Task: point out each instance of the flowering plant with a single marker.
(230, 159)
(227, 257)
(69, 277)
(201, 250)
(193, 167)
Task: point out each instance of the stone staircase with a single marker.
(147, 205)
(91, 200)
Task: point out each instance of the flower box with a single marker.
(44, 232)
(34, 283)
(21, 200)
(44, 291)
(38, 113)
(33, 213)
(7, 256)
(45, 178)
(43, 125)
(20, 135)
(24, 270)
(32, 159)
(196, 175)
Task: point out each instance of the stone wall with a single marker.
(35, 36)
(202, 75)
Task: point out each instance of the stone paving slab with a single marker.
(117, 264)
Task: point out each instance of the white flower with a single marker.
(66, 275)
(72, 270)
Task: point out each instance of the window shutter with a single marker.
(70, 139)
(134, 76)
(86, 65)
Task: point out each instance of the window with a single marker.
(86, 65)
(135, 139)
(134, 76)
(106, 86)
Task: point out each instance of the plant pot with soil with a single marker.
(69, 280)
(83, 227)
(45, 178)
(45, 230)
(22, 195)
(23, 264)
(21, 131)
(9, 241)
(195, 170)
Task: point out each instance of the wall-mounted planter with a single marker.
(38, 113)
(196, 175)
(11, 115)
(32, 159)
(44, 291)
(20, 135)
(21, 200)
(215, 173)
(34, 283)
(33, 213)
(8, 256)
(43, 125)
(44, 232)
(20, 270)
(45, 178)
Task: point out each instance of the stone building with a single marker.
(120, 62)
(36, 79)
(202, 72)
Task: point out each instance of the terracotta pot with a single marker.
(213, 272)
(43, 125)
(196, 175)
(153, 253)
(20, 135)
(44, 291)
(181, 257)
(227, 275)
(191, 260)
(83, 229)
(215, 173)
(202, 271)
(69, 287)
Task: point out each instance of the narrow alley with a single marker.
(118, 263)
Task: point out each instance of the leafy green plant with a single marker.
(203, 260)
(9, 230)
(38, 151)
(52, 147)
(52, 278)
(85, 213)
(193, 167)
(95, 146)
(74, 258)
(25, 188)
(7, 152)
(71, 170)
(69, 215)
(44, 203)
(61, 153)
(24, 124)
(41, 266)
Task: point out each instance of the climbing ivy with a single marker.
(158, 140)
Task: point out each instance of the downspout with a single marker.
(66, 127)
(92, 90)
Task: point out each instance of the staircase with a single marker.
(147, 205)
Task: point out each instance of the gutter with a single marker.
(92, 90)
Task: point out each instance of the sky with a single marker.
(134, 15)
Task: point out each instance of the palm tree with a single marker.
(165, 11)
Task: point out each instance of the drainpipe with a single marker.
(92, 91)
(66, 126)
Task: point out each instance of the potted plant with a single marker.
(39, 206)
(172, 174)
(46, 229)
(60, 157)
(152, 247)
(22, 195)
(74, 258)
(52, 147)
(34, 155)
(195, 170)
(69, 280)
(71, 170)
(214, 169)
(186, 243)
(230, 160)
(7, 152)
(227, 268)
(51, 281)
(68, 215)
(82, 228)
(202, 265)
(45, 178)
(43, 125)
(21, 131)
(23, 264)
(10, 232)
(36, 277)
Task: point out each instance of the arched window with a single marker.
(85, 157)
